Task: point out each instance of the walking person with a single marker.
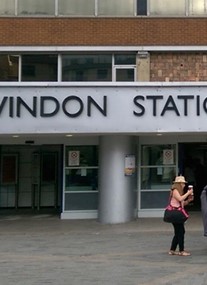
(179, 199)
(203, 198)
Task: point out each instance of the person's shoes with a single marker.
(172, 252)
(184, 253)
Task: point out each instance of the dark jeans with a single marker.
(178, 239)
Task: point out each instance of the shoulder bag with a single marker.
(175, 215)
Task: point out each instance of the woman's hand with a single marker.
(190, 198)
(190, 192)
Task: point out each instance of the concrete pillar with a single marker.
(143, 66)
(115, 189)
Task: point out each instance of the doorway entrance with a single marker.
(30, 178)
(193, 165)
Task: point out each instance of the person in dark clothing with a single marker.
(203, 198)
(200, 176)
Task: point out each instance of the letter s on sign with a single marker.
(140, 106)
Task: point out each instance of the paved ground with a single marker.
(46, 250)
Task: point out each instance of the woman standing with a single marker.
(179, 199)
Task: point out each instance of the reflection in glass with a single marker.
(158, 166)
(157, 177)
(116, 7)
(7, 7)
(88, 155)
(39, 67)
(38, 7)
(125, 74)
(9, 67)
(154, 154)
(76, 7)
(81, 179)
(125, 59)
(82, 67)
(197, 7)
(167, 7)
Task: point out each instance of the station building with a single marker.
(102, 104)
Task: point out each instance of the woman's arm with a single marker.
(181, 198)
(190, 199)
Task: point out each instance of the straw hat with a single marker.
(179, 179)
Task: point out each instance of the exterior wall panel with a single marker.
(178, 66)
(102, 31)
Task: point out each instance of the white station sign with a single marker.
(130, 109)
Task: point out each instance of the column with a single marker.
(116, 191)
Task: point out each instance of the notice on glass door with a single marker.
(74, 158)
(168, 156)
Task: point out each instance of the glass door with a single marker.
(48, 179)
(44, 180)
(9, 180)
(81, 178)
(157, 170)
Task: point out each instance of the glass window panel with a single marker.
(9, 67)
(84, 175)
(7, 7)
(154, 200)
(116, 7)
(125, 59)
(154, 155)
(125, 74)
(81, 179)
(88, 155)
(76, 7)
(79, 67)
(81, 201)
(197, 7)
(167, 7)
(157, 177)
(142, 7)
(39, 67)
(39, 7)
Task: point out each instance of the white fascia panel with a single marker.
(99, 48)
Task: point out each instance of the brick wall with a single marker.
(103, 31)
(178, 66)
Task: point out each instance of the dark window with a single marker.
(125, 74)
(102, 74)
(142, 7)
(9, 67)
(125, 59)
(86, 67)
(9, 169)
(39, 67)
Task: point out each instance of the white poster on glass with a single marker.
(129, 164)
(168, 156)
(74, 158)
